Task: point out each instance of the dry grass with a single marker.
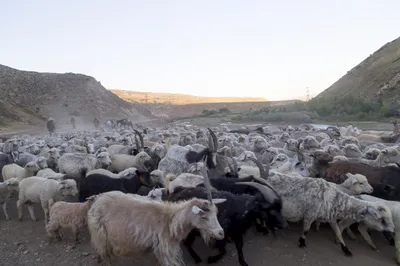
(178, 99)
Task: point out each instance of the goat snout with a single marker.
(219, 235)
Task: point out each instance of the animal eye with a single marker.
(204, 218)
(383, 222)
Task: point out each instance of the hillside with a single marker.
(29, 97)
(177, 99)
(377, 77)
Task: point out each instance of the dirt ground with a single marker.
(25, 243)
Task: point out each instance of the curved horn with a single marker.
(215, 140)
(141, 138)
(327, 133)
(137, 142)
(267, 190)
(207, 183)
(263, 175)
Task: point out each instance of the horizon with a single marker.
(260, 49)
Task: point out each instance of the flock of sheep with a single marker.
(152, 189)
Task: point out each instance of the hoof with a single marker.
(302, 242)
(346, 251)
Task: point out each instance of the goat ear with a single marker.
(218, 201)
(196, 210)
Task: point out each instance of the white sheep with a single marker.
(314, 199)
(340, 158)
(71, 215)
(352, 151)
(394, 207)
(42, 190)
(49, 173)
(125, 173)
(354, 185)
(7, 189)
(14, 170)
(73, 164)
(121, 162)
(156, 194)
(184, 180)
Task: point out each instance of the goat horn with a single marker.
(207, 183)
(215, 140)
(137, 142)
(141, 138)
(263, 174)
(267, 190)
(327, 133)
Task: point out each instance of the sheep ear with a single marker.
(196, 210)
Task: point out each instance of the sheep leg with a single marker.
(306, 228)
(317, 224)
(350, 233)
(76, 235)
(188, 242)
(345, 224)
(20, 212)
(238, 240)
(31, 211)
(6, 211)
(46, 215)
(221, 246)
(397, 245)
(338, 234)
(362, 228)
(389, 238)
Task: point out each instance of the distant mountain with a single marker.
(178, 99)
(29, 97)
(377, 77)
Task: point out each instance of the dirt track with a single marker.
(25, 243)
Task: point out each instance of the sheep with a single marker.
(372, 153)
(156, 194)
(97, 183)
(126, 172)
(394, 207)
(7, 189)
(333, 150)
(68, 215)
(314, 199)
(352, 151)
(120, 162)
(384, 180)
(154, 225)
(386, 156)
(310, 142)
(14, 170)
(340, 158)
(42, 190)
(353, 185)
(73, 165)
(48, 173)
(8, 159)
(184, 180)
(52, 158)
(350, 140)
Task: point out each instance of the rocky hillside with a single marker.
(377, 77)
(178, 99)
(29, 97)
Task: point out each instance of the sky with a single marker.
(255, 48)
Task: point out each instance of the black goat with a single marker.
(97, 183)
(236, 215)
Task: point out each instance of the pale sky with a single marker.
(261, 48)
